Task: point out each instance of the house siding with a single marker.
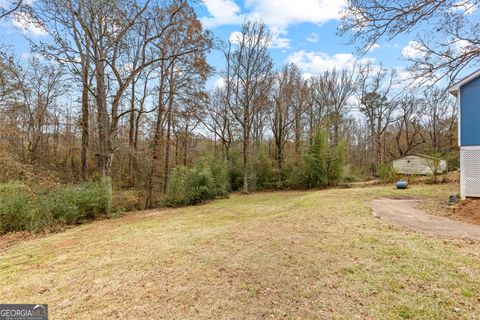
(470, 113)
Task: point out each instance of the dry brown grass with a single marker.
(294, 255)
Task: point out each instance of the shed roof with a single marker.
(455, 87)
(419, 155)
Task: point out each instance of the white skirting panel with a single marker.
(470, 172)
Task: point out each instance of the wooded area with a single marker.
(118, 94)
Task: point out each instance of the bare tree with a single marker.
(218, 120)
(301, 103)
(247, 78)
(377, 106)
(409, 133)
(455, 46)
(332, 90)
(182, 65)
(39, 85)
(282, 116)
(437, 107)
(7, 85)
(71, 47)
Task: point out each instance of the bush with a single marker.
(316, 162)
(235, 173)
(15, 207)
(21, 209)
(453, 160)
(387, 173)
(263, 176)
(337, 163)
(220, 174)
(126, 200)
(196, 185)
(76, 203)
(322, 166)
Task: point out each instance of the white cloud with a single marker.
(464, 7)
(406, 78)
(462, 46)
(219, 83)
(27, 24)
(413, 50)
(9, 4)
(312, 37)
(32, 55)
(374, 47)
(279, 42)
(221, 12)
(280, 14)
(317, 62)
(235, 37)
(277, 15)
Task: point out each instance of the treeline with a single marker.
(117, 94)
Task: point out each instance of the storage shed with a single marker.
(419, 164)
(467, 92)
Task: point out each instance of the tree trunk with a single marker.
(166, 168)
(105, 151)
(185, 149)
(84, 122)
(280, 161)
(246, 159)
(131, 139)
(226, 147)
(298, 131)
(157, 138)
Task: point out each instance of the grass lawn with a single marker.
(293, 255)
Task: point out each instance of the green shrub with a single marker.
(263, 176)
(15, 207)
(453, 160)
(235, 173)
(220, 174)
(176, 191)
(198, 184)
(336, 163)
(21, 209)
(386, 172)
(76, 203)
(316, 162)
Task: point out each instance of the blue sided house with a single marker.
(467, 92)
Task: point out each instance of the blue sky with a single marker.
(304, 32)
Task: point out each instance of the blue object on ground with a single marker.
(401, 184)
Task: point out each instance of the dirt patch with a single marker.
(469, 211)
(406, 213)
(466, 211)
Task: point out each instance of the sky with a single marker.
(304, 32)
